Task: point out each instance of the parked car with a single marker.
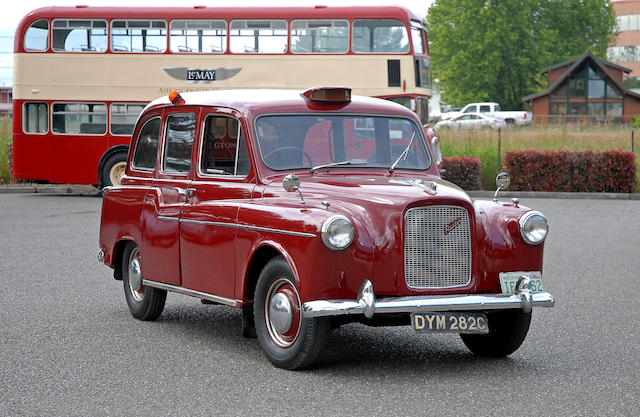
(471, 121)
(490, 109)
(311, 210)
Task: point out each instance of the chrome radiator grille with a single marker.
(437, 247)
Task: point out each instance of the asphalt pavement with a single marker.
(68, 345)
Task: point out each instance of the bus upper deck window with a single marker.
(37, 36)
(258, 37)
(139, 36)
(416, 35)
(198, 36)
(319, 36)
(379, 36)
(79, 35)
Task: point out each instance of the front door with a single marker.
(223, 181)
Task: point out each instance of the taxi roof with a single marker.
(251, 102)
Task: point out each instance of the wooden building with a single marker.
(584, 90)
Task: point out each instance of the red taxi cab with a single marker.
(309, 210)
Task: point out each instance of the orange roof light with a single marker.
(175, 98)
(329, 94)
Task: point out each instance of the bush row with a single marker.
(464, 172)
(603, 171)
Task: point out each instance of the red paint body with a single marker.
(216, 258)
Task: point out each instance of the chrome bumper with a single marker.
(367, 304)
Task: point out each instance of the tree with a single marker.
(492, 50)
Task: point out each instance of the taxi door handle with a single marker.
(188, 193)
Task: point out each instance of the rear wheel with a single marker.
(145, 303)
(507, 331)
(288, 340)
(113, 169)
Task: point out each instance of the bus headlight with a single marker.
(337, 232)
(534, 227)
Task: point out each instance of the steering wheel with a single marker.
(289, 148)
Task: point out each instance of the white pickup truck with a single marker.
(511, 118)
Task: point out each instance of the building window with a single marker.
(138, 36)
(79, 118)
(588, 91)
(198, 36)
(628, 22)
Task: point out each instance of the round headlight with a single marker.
(337, 232)
(534, 227)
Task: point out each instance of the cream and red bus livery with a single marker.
(82, 75)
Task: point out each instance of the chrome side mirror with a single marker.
(502, 182)
(292, 183)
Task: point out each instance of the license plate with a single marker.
(508, 281)
(450, 322)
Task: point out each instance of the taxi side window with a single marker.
(178, 143)
(146, 150)
(224, 150)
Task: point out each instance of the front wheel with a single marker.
(145, 303)
(507, 331)
(288, 340)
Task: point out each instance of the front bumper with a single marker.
(367, 304)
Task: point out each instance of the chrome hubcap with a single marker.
(280, 313)
(135, 276)
(117, 171)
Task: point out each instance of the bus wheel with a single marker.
(113, 169)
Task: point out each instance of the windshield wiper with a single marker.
(403, 155)
(335, 164)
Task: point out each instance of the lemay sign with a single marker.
(201, 76)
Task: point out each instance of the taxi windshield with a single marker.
(359, 141)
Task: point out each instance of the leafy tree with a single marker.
(492, 50)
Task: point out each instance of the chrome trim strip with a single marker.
(192, 293)
(244, 226)
(173, 219)
(414, 304)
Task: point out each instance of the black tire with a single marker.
(112, 168)
(146, 303)
(300, 346)
(507, 331)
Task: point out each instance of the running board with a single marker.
(191, 293)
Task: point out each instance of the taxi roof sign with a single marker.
(328, 94)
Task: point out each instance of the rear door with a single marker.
(164, 201)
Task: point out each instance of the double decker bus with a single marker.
(83, 74)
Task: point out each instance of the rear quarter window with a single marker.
(146, 148)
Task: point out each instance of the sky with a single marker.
(13, 11)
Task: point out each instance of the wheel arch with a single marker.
(116, 259)
(263, 253)
(111, 151)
